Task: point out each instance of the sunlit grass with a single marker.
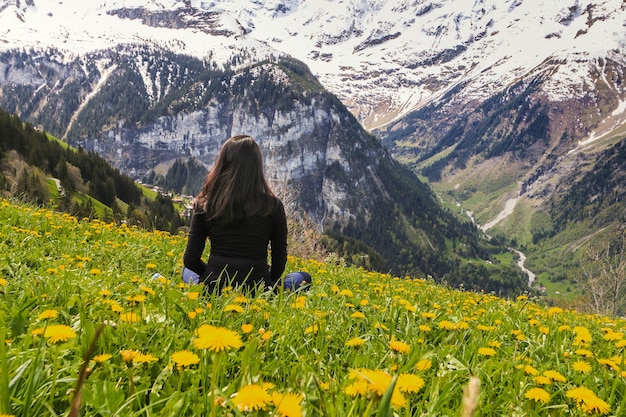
(166, 349)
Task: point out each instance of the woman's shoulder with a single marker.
(276, 203)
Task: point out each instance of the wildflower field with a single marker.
(92, 329)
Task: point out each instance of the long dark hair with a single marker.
(236, 188)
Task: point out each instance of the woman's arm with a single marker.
(279, 243)
(196, 241)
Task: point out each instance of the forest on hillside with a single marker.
(28, 157)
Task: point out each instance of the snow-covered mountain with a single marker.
(382, 58)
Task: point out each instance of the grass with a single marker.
(108, 300)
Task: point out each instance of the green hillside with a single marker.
(96, 318)
(40, 169)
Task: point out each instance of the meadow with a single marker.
(97, 322)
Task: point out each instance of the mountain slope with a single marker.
(140, 107)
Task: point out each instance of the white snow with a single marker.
(502, 40)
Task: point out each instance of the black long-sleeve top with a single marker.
(246, 241)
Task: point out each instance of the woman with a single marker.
(237, 211)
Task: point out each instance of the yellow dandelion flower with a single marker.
(583, 335)
(613, 336)
(582, 367)
(128, 355)
(288, 404)
(380, 326)
(357, 315)
(410, 383)
(241, 299)
(58, 333)
(585, 353)
(399, 346)
(234, 308)
(164, 281)
(355, 342)
(374, 382)
(144, 358)
(554, 310)
(462, 325)
(312, 329)
(346, 293)
(193, 295)
(251, 397)
(150, 266)
(358, 387)
(38, 331)
(268, 386)
(542, 380)
(555, 376)
(3, 282)
(192, 314)
(116, 307)
(609, 363)
(130, 317)
(537, 395)
(530, 370)
(246, 328)
(95, 271)
(185, 358)
(105, 293)
(446, 325)
(424, 328)
(495, 344)
(428, 315)
(486, 351)
(620, 344)
(410, 308)
(139, 298)
(102, 357)
(595, 405)
(147, 290)
(580, 394)
(423, 364)
(48, 314)
(216, 339)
